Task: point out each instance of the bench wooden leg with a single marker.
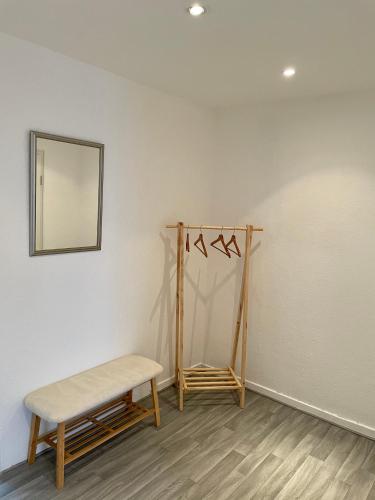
(155, 402)
(60, 455)
(33, 441)
(129, 398)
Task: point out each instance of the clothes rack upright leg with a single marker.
(249, 234)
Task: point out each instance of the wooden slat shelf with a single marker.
(210, 379)
(85, 433)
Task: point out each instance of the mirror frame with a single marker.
(34, 136)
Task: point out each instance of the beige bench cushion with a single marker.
(78, 394)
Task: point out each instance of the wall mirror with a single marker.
(66, 191)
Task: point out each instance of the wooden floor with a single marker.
(215, 451)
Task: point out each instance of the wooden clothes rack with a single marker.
(212, 379)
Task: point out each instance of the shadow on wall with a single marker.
(165, 303)
(217, 286)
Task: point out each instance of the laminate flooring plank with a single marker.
(322, 429)
(340, 452)
(145, 453)
(261, 444)
(328, 443)
(133, 463)
(216, 421)
(337, 490)
(201, 424)
(369, 463)
(253, 481)
(280, 477)
(152, 485)
(195, 464)
(371, 494)
(248, 444)
(186, 420)
(272, 437)
(354, 460)
(39, 488)
(212, 451)
(225, 488)
(252, 461)
(317, 485)
(76, 484)
(297, 483)
(106, 490)
(171, 435)
(177, 490)
(361, 485)
(137, 479)
(208, 482)
(16, 477)
(301, 428)
(260, 428)
(253, 414)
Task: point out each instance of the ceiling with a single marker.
(233, 54)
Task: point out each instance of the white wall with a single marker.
(305, 171)
(61, 314)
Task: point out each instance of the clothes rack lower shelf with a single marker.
(210, 379)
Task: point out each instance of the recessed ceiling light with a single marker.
(289, 72)
(196, 10)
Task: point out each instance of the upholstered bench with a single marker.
(91, 407)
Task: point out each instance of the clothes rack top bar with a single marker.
(224, 228)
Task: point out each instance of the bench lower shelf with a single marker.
(89, 431)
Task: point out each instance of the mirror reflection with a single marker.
(66, 194)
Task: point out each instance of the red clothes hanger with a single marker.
(200, 241)
(233, 241)
(220, 240)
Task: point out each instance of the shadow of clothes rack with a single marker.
(204, 378)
